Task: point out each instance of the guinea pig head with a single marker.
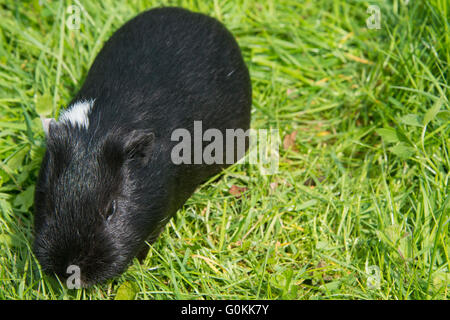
(91, 202)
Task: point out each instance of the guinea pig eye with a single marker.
(111, 209)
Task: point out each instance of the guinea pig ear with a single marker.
(139, 145)
(46, 122)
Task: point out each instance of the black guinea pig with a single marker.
(108, 181)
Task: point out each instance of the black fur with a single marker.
(103, 191)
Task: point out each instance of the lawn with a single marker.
(359, 207)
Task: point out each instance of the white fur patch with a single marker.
(77, 113)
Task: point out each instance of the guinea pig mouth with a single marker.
(83, 271)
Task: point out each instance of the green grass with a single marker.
(359, 208)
